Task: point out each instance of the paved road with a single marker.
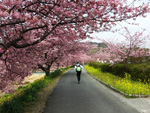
(87, 97)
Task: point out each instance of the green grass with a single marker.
(123, 84)
(16, 102)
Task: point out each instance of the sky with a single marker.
(144, 23)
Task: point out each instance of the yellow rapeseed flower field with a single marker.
(125, 85)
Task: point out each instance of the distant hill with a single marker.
(100, 44)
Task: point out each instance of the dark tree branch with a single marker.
(12, 9)
(12, 23)
(34, 28)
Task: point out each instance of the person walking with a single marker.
(78, 69)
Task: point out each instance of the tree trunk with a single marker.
(126, 65)
(46, 70)
(58, 65)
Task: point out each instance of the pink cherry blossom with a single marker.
(37, 33)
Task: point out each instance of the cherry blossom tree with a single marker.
(28, 29)
(78, 52)
(57, 53)
(62, 49)
(41, 55)
(131, 47)
(15, 66)
(26, 23)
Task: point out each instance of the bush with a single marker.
(95, 64)
(106, 68)
(55, 73)
(103, 67)
(140, 72)
(119, 70)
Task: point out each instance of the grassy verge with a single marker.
(24, 96)
(125, 85)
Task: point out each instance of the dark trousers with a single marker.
(78, 75)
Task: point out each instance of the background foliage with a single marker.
(138, 72)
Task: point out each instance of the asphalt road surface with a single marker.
(87, 97)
